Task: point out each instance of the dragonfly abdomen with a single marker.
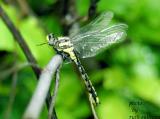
(88, 83)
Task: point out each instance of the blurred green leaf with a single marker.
(114, 107)
(114, 78)
(147, 89)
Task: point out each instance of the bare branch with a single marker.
(15, 68)
(54, 94)
(12, 96)
(35, 106)
(92, 8)
(18, 37)
(92, 107)
(24, 7)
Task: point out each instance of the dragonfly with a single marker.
(89, 41)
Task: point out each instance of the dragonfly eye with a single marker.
(51, 39)
(50, 36)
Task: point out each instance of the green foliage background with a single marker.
(127, 73)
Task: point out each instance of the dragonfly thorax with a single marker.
(62, 45)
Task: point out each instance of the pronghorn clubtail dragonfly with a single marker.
(88, 42)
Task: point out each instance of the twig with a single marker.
(14, 70)
(54, 94)
(69, 15)
(24, 7)
(18, 37)
(91, 12)
(15, 67)
(12, 96)
(93, 7)
(92, 107)
(35, 106)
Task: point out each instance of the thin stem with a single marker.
(54, 94)
(15, 67)
(20, 40)
(92, 8)
(35, 106)
(24, 7)
(12, 96)
(92, 107)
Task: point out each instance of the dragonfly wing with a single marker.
(92, 42)
(100, 22)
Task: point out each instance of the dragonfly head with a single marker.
(51, 39)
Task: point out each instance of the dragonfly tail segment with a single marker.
(88, 83)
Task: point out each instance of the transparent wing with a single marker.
(98, 36)
(101, 22)
(93, 43)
